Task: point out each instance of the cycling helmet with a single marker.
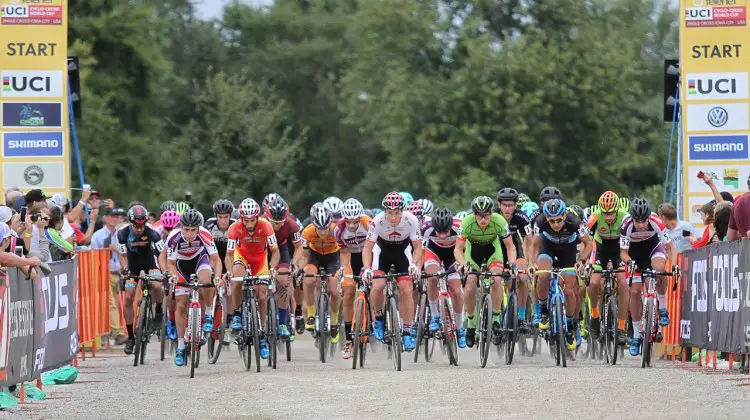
(321, 217)
(191, 218)
(168, 205)
(522, 199)
(548, 193)
(223, 207)
(415, 208)
(554, 207)
(462, 214)
(315, 207)
(138, 215)
(408, 198)
(508, 194)
(277, 210)
(577, 210)
(182, 207)
(640, 209)
(249, 208)
(334, 205)
(393, 201)
(587, 212)
(352, 209)
(481, 204)
(169, 219)
(427, 206)
(442, 220)
(267, 199)
(624, 203)
(608, 202)
(529, 208)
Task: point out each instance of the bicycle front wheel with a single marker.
(560, 357)
(484, 329)
(611, 332)
(255, 317)
(243, 340)
(322, 320)
(163, 336)
(214, 341)
(394, 329)
(449, 330)
(357, 333)
(510, 327)
(647, 332)
(272, 331)
(141, 323)
(195, 330)
(421, 314)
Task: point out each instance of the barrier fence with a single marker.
(93, 271)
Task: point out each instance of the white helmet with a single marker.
(321, 217)
(268, 198)
(352, 209)
(334, 205)
(427, 206)
(249, 208)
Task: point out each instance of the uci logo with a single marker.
(707, 87)
(718, 116)
(31, 83)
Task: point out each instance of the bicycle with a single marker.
(610, 334)
(322, 330)
(555, 336)
(483, 312)
(362, 322)
(448, 332)
(422, 316)
(510, 317)
(215, 340)
(590, 350)
(393, 327)
(290, 321)
(250, 334)
(194, 332)
(533, 332)
(650, 322)
(145, 317)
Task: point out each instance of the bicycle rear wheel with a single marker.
(510, 328)
(484, 330)
(322, 326)
(357, 333)
(243, 339)
(648, 330)
(140, 323)
(420, 324)
(272, 331)
(560, 356)
(216, 337)
(449, 330)
(394, 329)
(255, 317)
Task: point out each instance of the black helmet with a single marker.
(640, 209)
(138, 215)
(168, 205)
(277, 209)
(223, 207)
(191, 218)
(442, 220)
(507, 194)
(578, 210)
(482, 204)
(548, 193)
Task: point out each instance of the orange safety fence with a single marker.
(93, 296)
(671, 333)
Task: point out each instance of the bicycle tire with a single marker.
(394, 328)
(140, 321)
(255, 317)
(533, 331)
(648, 330)
(322, 316)
(450, 337)
(560, 335)
(147, 330)
(194, 325)
(215, 338)
(367, 329)
(613, 333)
(357, 333)
(290, 325)
(510, 328)
(484, 328)
(243, 342)
(163, 336)
(420, 322)
(272, 331)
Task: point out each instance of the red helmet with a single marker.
(415, 208)
(138, 215)
(393, 201)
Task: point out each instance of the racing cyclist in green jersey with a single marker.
(479, 241)
(605, 222)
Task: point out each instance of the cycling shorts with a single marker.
(491, 254)
(517, 241)
(328, 262)
(644, 252)
(186, 268)
(607, 251)
(285, 257)
(561, 255)
(258, 264)
(392, 255)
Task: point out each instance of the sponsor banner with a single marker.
(39, 144)
(29, 175)
(31, 84)
(717, 86)
(31, 115)
(728, 177)
(16, 326)
(31, 14)
(717, 147)
(717, 117)
(703, 17)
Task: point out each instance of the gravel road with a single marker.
(110, 387)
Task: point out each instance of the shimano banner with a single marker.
(38, 322)
(716, 297)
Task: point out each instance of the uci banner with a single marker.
(716, 297)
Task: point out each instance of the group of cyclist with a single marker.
(511, 234)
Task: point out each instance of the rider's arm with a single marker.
(588, 246)
(669, 247)
(458, 251)
(346, 258)
(536, 240)
(367, 254)
(624, 249)
(417, 253)
(275, 257)
(511, 248)
(216, 264)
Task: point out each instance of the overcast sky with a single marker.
(208, 9)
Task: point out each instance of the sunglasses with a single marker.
(45, 218)
(483, 215)
(556, 221)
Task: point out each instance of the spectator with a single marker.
(17, 228)
(9, 259)
(722, 213)
(104, 238)
(37, 220)
(707, 215)
(11, 195)
(63, 248)
(681, 232)
(718, 196)
(32, 197)
(739, 219)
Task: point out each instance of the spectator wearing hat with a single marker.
(739, 219)
(32, 197)
(105, 238)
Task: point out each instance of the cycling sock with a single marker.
(310, 311)
(298, 310)
(621, 324)
(282, 316)
(595, 312)
(459, 319)
(130, 330)
(334, 318)
(522, 313)
(636, 329)
(348, 330)
(537, 308)
(434, 307)
(180, 344)
(542, 305)
(380, 317)
(472, 323)
(496, 316)
(662, 302)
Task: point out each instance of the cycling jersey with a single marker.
(220, 236)
(393, 241)
(141, 250)
(191, 257)
(560, 247)
(288, 235)
(250, 248)
(322, 245)
(603, 230)
(353, 242)
(440, 250)
(643, 246)
(519, 226)
(483, 245)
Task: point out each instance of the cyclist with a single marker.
(169, 220)
(351, 234)
(605, 223)
(644, 240)
(267, 199)
(440, 235)
(190, 250)
(519, 225)
(320, 252)
(522, 199)
(547, 193)
(219, 225)
(393, 230)
(479, 241)
(408, 198)
(139, 246)
(334, 205)
(250, 239)
(427, 207)
(415, 208)
(557, 234)
(287, 232)
(182, 207)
